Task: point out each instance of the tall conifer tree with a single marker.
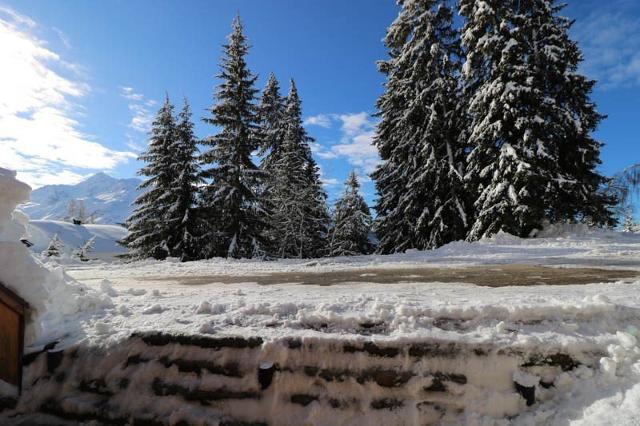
(185, 225)
(421, 202)
(299, 217)
(271, 123)
(531, 156)
(235, 212)
(148, 230)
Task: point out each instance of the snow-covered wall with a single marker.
(157, 378)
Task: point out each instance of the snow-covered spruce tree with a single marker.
(148, 228)
(629, 224)
(567, 94)
(524, 125)
(349, 235)
(84, 250)
(421, 202)
(184, 224)
(54, 249)
(235, 212)
(270, 123)
(317, 217)
(299, 218)
(270, 134)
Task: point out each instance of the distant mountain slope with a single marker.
(73, 236)
(108, 198)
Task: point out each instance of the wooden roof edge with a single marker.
(12, 299)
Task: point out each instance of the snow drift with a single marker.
(51, 294)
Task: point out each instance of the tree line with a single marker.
(220, 203)
(485, 125)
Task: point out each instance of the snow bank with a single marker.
(51, 294)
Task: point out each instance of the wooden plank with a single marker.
(11, 299)
(11, 336)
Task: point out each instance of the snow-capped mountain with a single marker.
(106, 198)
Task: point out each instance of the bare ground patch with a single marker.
(485, 275)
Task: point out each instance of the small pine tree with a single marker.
(230, 199)
(351, 222)
(629, 224)
(148, 228)
(185, 225)
(84, 250)
(299, 218)
(54, 249)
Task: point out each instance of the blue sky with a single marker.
(80, 80)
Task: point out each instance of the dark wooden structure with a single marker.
(13, 310)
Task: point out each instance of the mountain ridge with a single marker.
(107, 198)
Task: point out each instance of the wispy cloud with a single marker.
(321, 120)
(356, 141)
(139, 106)
(63, 37)
(40, 136)
(609, 36)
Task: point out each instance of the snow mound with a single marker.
(573, 230)
(51, 294)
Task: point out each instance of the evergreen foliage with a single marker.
(271, 124)
(185, 225)
(84, 250)
(532, 157)
(54, 249)
(421, 200)
(148, 228)
(299, 218)
(629, 224)
(352, 221)
(501, 143)
(230, 198)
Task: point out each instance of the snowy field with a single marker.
(402, 339)
(226, 298)
(105, 246)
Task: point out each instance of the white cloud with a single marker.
(141, 116)
(610, 39)
(129, 93)
(356, 143)
(330, 181)
(39, 134)
(353, 124)
(321, 120)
